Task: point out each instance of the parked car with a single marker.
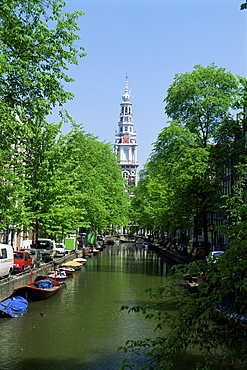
(60, 250)
(36, 256)
(214, 256)
(6, 260)
(22, 261)
(46, 247)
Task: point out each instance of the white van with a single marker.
(46, 247)
(6, 260)
(60, 250)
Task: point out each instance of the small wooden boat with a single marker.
(68, 270)
(240, 319)
(83, 261)
(93, 250)
(59, 275)
(75, 265)
(13, 307)
(99, 247)
(40, 289)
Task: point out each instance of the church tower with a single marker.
(125, 140)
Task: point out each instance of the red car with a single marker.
(22, 261)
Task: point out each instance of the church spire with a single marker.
(126, 96)
(125, 139)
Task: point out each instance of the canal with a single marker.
(82, 326)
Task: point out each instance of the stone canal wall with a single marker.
(171, 256)
(7, 286)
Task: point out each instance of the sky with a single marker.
(151, 41)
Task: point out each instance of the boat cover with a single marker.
(14, 306)
(45, 284)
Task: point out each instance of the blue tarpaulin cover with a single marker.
(45, 284)
(14, 307)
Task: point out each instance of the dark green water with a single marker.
(82, 326)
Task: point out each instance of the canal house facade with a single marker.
(125, 141)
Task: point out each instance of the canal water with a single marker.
(82, 326)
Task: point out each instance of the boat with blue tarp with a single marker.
(13, 307)
(39, 289)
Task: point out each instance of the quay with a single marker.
(170, 256)
(7, 286)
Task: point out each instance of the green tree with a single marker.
(37, 44)
(201, 101)
(12, 180)
(99, 189)
(243, 6)
(169, 195)
(146, 203)
(218, 341)
(48, 186)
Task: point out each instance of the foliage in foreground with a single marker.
(196, 326)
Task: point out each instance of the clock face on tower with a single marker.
(126, 140)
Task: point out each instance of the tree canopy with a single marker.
(168, 193)
(183, 176)
(201, 100)
(49, 181)
(37, 45)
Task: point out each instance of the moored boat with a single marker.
(13, 306)
(80, 260)
(59, 275)
(75, 265)
(93, 250)
(68, 270)
(39, 289)
(99, 247)
(239, 318)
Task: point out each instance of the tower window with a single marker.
(126, 128)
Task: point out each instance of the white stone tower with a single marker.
(125, 140)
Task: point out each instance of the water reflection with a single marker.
(82, 326)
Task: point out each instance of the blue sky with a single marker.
(151, 40)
